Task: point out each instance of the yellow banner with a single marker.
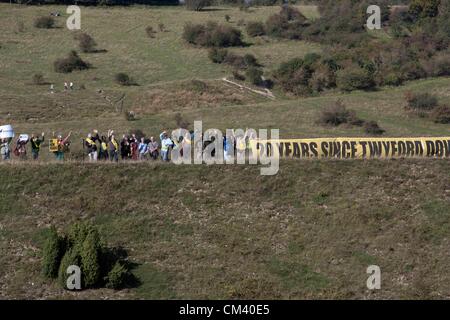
(53, 145)
(354, 148)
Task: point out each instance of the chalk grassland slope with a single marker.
(164, 59)
(227, 232)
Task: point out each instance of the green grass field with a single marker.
(220, 232)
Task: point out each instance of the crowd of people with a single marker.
(107, 147)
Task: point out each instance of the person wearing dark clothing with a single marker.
(36, 145)
(125, 148)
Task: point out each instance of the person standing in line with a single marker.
(143, 149)
(166, 144)
(63, 145)
(5, 150)
(153, 148)
(113, 147)
(36, 145)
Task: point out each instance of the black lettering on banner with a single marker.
(313, 146)
(296, 150)
(364, 148)
(409, 148)
(354, 149)
(269, 149)
(280, 149)
(447, 148)
(375, 148)
(345, 146)
(401, 148)
(387, 147)
(324, 147)
(419, 148)
(439, 148)
(335, 150)
(430, 148)
(287, 147)
(305, 149)
(394, 148)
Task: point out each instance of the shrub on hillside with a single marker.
(117, 277)
(52, 254)
(255, 29)
(254, 76)
(338, 114)
(89, 255)
(150, 32)
(83, 247)
(354, 78)
(217, 55)
(238, 76)
(70, 63)
(421, 101)
(70, 258)
(212, 35)
(44, 22)
(441, 114)
(38, 79)
(197, 5)
(372, 128)
(86, 42)
(123, 79)
(289, 23)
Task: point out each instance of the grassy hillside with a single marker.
(212, 231)
(227, 232)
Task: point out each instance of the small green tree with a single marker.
(52, 254)
(71, 257)
(90, 260)
(117, 277)
(254, 75)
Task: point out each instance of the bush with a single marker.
(338, 114)
(392, 79)
(254, 75)
(421, 101)
(117, 277)
(217, 55)
(130, 115)
(38, 79)
(123, 79)
(86, 42)
(238, 76)
(372, 127)
(289, 24)
(90, 260)
(71, 257)
(255, 29)
(150, 32)
(44, 22)
(197, 5)
(354, 78)
(196, 86)
(52, 254)
(250, 60)
(212, 35)
(441, 115)
(71, 63)
(83, 248)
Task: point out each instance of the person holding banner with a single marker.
(21, 147)
(61, 146)
(4, 148)
(36, 145)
